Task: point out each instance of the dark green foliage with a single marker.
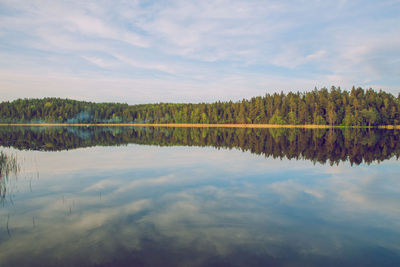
(334, 107)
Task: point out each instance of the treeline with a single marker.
(318, 145)
(357, 107)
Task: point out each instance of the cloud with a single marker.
(142, 89)
(185, 50)
(98, 61)
(145, 65)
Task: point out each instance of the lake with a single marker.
(132, 196)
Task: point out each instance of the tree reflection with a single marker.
(318, 145)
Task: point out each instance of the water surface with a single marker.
(97, 196)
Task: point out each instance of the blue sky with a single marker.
(195, 51)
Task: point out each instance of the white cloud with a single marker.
(145, 90)
(185, 50)
(98, 61)
(145, 65)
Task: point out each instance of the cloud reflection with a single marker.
(200, 207)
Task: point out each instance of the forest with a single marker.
(357, 107)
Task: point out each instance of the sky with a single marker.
(195, 51)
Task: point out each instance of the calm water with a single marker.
(94, 196)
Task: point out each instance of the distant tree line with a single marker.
(317, 145)
(357, 107)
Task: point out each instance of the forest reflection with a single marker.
(318, 145)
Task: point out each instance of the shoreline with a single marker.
(198, 125)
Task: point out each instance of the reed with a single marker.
(8, 166)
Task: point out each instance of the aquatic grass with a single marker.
(8, 166)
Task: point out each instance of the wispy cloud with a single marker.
(195, 51)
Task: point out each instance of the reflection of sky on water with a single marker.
(199, 206)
